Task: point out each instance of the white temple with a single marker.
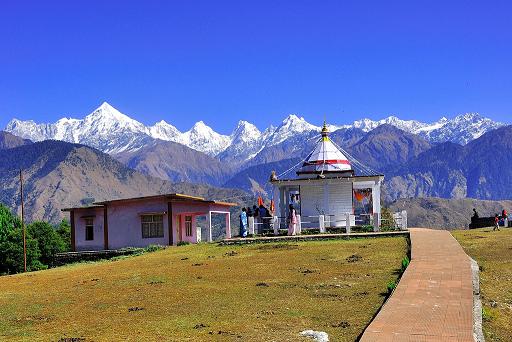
(328, 189)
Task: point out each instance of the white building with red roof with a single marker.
(332, 187)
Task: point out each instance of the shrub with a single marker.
(153, 248)
(42, 242)
(405, 263)
(11, 253)
(387, 221)
(48, 240)
(391, 286)
(183, 243)
(367, 228)
(64, 231)
(8, 222)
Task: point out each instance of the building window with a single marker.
(188, 226)
(89, 229)
(152, 226)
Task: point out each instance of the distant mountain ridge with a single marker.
(113, 132)
(478, 170)
(441, 159)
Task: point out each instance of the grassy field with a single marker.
(493, 252)
(266, 292)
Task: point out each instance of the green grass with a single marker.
(493, 252)
(207, 292)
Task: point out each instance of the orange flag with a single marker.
(260, 201)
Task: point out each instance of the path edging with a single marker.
(478, 334)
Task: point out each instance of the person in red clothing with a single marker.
(496, 222)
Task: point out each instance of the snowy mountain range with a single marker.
(113, 132)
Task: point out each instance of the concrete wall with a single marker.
(80, 243)
(327, 199)
(125, 227)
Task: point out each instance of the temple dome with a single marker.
(326, 160)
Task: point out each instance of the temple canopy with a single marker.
(326, 159)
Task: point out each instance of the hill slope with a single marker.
(175, 162)
(479, 170)
(8, 140)
(59, 174)
(446, 213)
(387, 146)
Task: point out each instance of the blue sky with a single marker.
(221, 61)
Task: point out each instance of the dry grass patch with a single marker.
(493, 252)
(207, 292)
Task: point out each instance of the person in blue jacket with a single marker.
(243, 223)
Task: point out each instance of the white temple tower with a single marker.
(329, 184)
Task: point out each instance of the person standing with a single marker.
(496, 222)
(262, 214)
(504, 216)
(255, 213)
(292, 221)
(243, 223)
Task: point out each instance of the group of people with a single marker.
(261, 215)
(262, 218)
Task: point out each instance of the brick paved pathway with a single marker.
(434, 299)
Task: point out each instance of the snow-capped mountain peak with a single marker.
(203, 138)
(297, 123)
(245, 131)
(462, 129)
(407, 125)
(164, 131)
(291, 126)
(29, 129)
(106, 117)
(111, 131)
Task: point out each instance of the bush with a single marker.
(183, 243)
(42, 241)
(64, 231)
(48, 240)
(11, 253)
(366, 229)
(387, 221)
(153, 248)
(391, 286)
(405, 263)
(8, 222)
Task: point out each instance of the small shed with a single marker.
(327, 187)
(166, 219)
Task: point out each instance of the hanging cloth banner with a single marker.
(360, 195)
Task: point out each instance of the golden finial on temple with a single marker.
(325, 129)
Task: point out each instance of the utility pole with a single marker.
(23, 225)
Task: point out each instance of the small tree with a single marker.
(8, 222)
(64, 231)
(11, 253)
(387, 221)
(48, 240)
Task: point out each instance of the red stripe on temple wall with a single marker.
(332, 161)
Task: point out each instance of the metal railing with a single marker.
(346, 223)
